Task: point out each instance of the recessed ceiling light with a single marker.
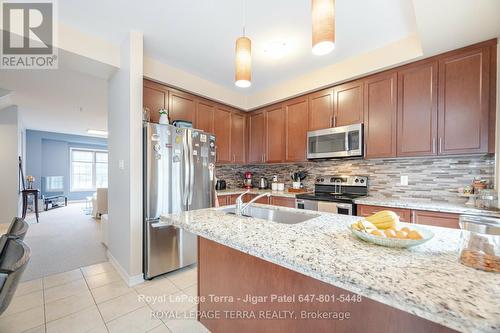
(97, 132)
(276, 49)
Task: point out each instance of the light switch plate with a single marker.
(121, 164)
(404, 180)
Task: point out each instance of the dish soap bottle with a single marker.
(164, 117)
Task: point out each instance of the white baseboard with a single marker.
(129, 280)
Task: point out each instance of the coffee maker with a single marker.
(247, 182)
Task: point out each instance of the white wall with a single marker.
(9, 150)
(125, 161)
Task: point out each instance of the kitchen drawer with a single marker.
(283, 201)
(446, 220)
(365, 210)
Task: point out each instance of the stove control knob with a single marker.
(357, 180)
(362, 181)
(322, 180)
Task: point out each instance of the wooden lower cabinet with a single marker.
(226, 200)
(227, 276)
(223, 200)
(263, 200)
(366, 210)
(437, 219)
(283, 201)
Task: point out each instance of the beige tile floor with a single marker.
(95, 299)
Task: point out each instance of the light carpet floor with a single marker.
(64, 240)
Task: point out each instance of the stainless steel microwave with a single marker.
(343, 141)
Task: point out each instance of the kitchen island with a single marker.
(424, 288)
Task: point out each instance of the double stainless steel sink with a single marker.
(275, 215)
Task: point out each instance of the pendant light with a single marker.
(323, 26)
(243, 73)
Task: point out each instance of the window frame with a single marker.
(94, 176)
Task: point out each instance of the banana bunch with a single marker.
(383, 224)
(384, 219)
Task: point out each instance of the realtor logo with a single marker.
(28, 35)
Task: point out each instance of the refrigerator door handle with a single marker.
(186, 172)
(191, 169)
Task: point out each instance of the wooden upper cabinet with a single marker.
(417, 110)
(380, 115)
(238, 137)
(348, 104)
(222, 131)
(154, 98)
(275, 134)
(321, 110)
(297, 116)
(464, 88)
(205, 116)
(181, 106)
(256, 136)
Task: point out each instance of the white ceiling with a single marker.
(198, 36)
(62, 100)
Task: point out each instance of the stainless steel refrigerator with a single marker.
(179, 176)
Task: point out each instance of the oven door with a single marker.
(344, 141)
(335, 207)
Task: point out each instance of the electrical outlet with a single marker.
(404, 180)
(121, 164)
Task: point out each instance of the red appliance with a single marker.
(247, 182)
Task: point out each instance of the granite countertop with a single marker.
(427, 280)
(257, 191)
(427, 205)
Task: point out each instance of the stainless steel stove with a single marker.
(334, 194)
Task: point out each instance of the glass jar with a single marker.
(487, 199)
(480, 242)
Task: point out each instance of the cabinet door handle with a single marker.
(334, 121)
(440, 145)
(413, 217)
(433, 145)
(331, 121)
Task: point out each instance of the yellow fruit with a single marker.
(377, 233)
(414, 234)
(365, 225)
(390, 233)
(401, 234)
(384, 219)
(405, 229)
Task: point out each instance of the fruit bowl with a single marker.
(394, 242)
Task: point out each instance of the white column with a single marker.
(9, 171)
(125, 161)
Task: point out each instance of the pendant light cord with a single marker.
(244, 16)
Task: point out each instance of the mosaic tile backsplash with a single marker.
(435, 179)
